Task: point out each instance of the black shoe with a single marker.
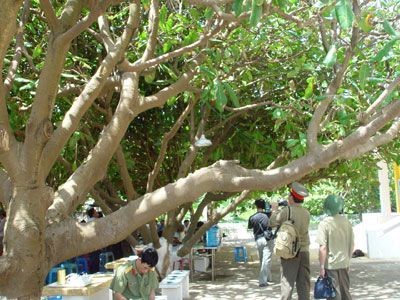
(263, 285)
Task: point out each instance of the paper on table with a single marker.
(56, 285)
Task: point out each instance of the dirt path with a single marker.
(370, 279)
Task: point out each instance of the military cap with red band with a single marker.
(298, 191)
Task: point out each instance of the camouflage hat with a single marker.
(298, 191)
(333, 205)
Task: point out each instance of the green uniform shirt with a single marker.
(336, 233)
(301, 218)
(128, 282)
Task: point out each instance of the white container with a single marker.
(201, 263)
(172, 288)
(185, 281)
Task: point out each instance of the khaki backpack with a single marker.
(287, 243)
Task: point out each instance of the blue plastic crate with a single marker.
(105, 257)
(240, 254)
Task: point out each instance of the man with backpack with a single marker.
(259, 222)
(292, 243)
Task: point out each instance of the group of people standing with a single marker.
(335, 238)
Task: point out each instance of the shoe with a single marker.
(263, 284)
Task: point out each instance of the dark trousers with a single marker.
(296, 270)
(341, 282)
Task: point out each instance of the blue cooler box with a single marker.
(212, 237)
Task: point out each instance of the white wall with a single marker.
(378, 235)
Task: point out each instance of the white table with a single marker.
(211, 255)
(98, 289)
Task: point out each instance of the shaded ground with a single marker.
(370, 279)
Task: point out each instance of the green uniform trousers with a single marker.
(296, 270)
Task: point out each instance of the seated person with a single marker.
(178, 235)
(136, 279)
(186, 225)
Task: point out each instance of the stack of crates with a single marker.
(212, 237)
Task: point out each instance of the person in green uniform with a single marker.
(296, 270)
(136, 279)
(335, 237)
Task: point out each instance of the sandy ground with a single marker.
(370, 279)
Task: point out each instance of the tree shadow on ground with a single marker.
(370, 279)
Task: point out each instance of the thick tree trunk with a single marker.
(24, 243)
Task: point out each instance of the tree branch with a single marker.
(87, 97)
(139, 67)
(50, 15)
(221, 176)
(154, 16)
(164, 144)
(314, 125)
(382, 97)
(158, 99)
(212, 221)
(82, 25)
(19, 45)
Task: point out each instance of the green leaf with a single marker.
(237, 7)
(256, 13)
(344, 14)
(231, 94)
(149, 78)
(291, 143)
(364, 73)
(331, 56)
(169, 24)
(207, 72)
(384, 51)
(190, 38)
(220, 97)
(171, 101)
(167, 46)
(37, 51)
(66, 75)
(21, 79)
(389, 29)
(278, 114)
(163, 14)
(310, 88)
(28, 86)
(208, 13)
(365, 23)
(168, 70)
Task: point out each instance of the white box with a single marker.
(172, 288)
(201, 263)
(185, 281)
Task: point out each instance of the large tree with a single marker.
(108, 98)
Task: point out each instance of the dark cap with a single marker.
(298, 191)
